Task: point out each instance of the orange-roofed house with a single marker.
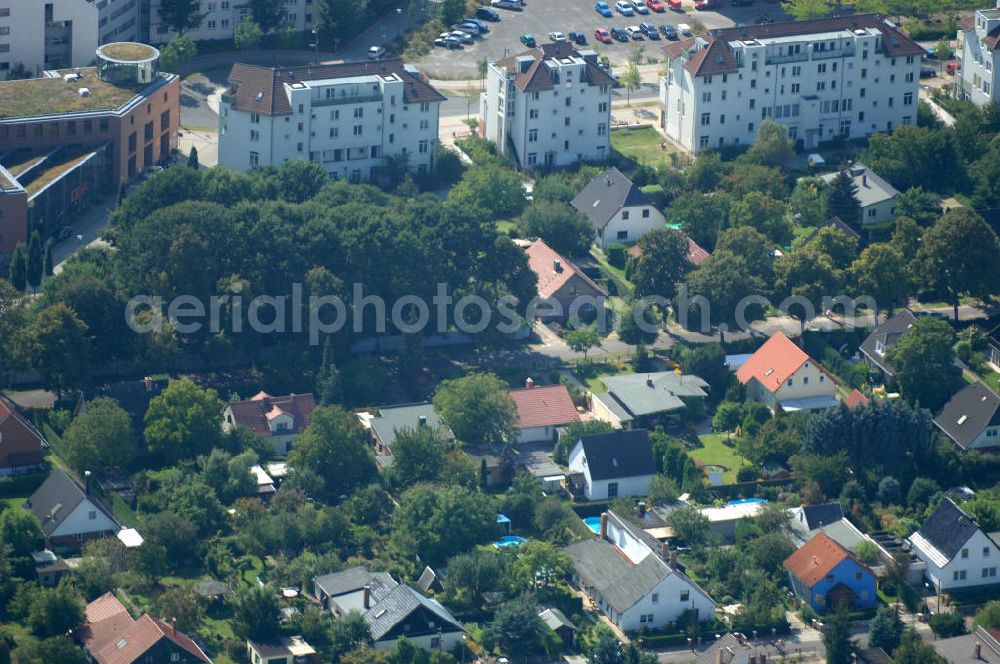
(823, 574)
(541, 410)
(561, 283)
(279, 419)
(855, 398)
(780, 374)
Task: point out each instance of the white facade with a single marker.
(85, 518)
(629, 224)
(608, 488)
(980, 58)
(839, 81)
(219, 19)
(347, 124)
(58, 34)
(808, 382)
(551, 113)
(536, 434)
(975, 565)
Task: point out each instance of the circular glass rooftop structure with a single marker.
(128, 63)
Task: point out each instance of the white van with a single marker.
(507, 4)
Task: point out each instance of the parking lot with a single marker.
(540, 17)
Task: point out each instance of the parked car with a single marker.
(578, 38)
(514, 5)
(928, 72)
(953, 67)
(619, 33)
(602, 35)
(684, 29)
(64, 233)
(649, 30)
(447, 41)
(625, 8)
(640, 7)
(675, 5)
(528, 40)
(557, 37)
(603, 8)
(487, 14)
(635, 33)
(483, 26)
(705, 5)
(656, 5)
(669, 31)
(471, 28)
(463, 37)
(376, 52)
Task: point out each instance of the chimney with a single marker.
(665, 550)
(864, 179)
(604, 525)
(718, 656)
(528, 383)
(422, 420)
(673, 559)
(173, 626)
(368, 597)
(557, 265)
(977, 651)
(649, 380)
(86, 482)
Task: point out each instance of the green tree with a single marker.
(58, 346)
(842, 200)
(53, 649)
(439, 522)
(477, 407)
(702, 217)
(563, 228)
(419, 455)
(837, 637)
(452, 11)
(488, 192)
(913, 650)
(807, 203)
(101, 436)
(947, 625)
(691, 526)
(988, 615)
(47, 265)
(54, 610)
(20, 532)
(631, 80)
(725, 279)
(805, 273)
(516, 625)
(708, 362)
(192, 161)
(841, 248)
(582, 339)
(178, 51)
(33, 265)
(771, 146)
(180, 15)
(919, 205)
(268, 14)
(335, 446)
(183, 604)
(917, 157)
(18, 266)
(886, 629)
(348, 633)
(183, 421)
(662, 263)
(248, 36)
(255, 613)
(662, 489)
(867, 552)
(764, 213)
(328, 387)
(881, 273)
(804, 10)
(572, 434)
(923, 364)
(606, 649)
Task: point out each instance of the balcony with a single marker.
(347, 99)
(776, 59)
(836, 53)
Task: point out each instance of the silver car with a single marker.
(463, 37)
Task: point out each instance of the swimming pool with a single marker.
(594, 523)
(509, 542)
(744, 501)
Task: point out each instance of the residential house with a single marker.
(971, 418)
(634, 580)
(724, 520)
(342, 592)
(823, 574)
(876, 196)
(696, 255)
(856, 398)
(884, 337)
(980, 647)
(348, 117)
(283, 650)
(69, 514)
(979, 36)
(810, 76)
(617, 209)
(49, 568)
(20, 442)
(112, 636)
(548, 106)
(836, 223)
(278, 419)
(265, 483)
(734, 649)
(782, 375)
(390, 420)
(809, 518)
(608, 465)
(541, 411)
(957, 553)
(564, 291)
(557, 621)
(827, 518)
(429, 581)
(644, 400)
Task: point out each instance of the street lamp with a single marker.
(315, 45)
(399, 21)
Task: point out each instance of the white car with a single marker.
(685, 29)
(376, 52)
(635, 33)
(557, 37)
(463, 37)
(625, 8)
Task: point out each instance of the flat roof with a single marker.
(52, 96)
(51, 174)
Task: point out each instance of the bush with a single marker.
(946, 625)
(656, 194)
(617, 255)
(746, 474)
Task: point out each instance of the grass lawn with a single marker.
(714, 451)
(590, 374)
(642, 145)
(505, 226)
(992, 379)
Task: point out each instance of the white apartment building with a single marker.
(979, 36)
(548, 106)
(62, 33)
(348, 117)
(219, 19)
(845, 76)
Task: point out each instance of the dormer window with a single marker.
(879, 347)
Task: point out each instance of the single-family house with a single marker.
(829, 519)
(282, 650)
(734, 649)
(882, 338)
(69, 514)
(810, 518)
(782, 375)
(980, 647)
(644, 400)
(112, 636)
(541, 411)
(617, 209)
(607, 465)
(20, 442)
(956, 551)
(557, 621)
(971, 418)
(724, 519)
(278, 419)
(342, 592)
(564, 291)
(49, 568)
(876, 196)
(633, 579)
(696, 255)
(837, 223)
(823, 574)
(390, 420)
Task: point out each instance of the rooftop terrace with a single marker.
(52, 96)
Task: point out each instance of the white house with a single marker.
(979, 56)
(971, 418)
(58, 34)
(279, 419)
(548, 106)
(69, 514)
(958, 554)
(608, 465)
(876, 196)
(349, 118)
(844, 76)
(633, 578)
(219, 19)
(541, 411)
(780, 374)
(883, 338)
(617, 209)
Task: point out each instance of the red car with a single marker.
(675, 5)
(655, 5)
(953, 67)
(603, 36)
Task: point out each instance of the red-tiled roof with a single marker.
(542, 260)
(9, 410)
(773, 362)
(132, 643)
(536, 77)
(855, 398)
(675, 48)
(967, 23)
(817, 558)
(255, 413)
(106, 620)
(544, 407)
(696, 255)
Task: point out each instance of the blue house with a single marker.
(823, 574)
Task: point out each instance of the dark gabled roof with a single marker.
(717, 57)
(261, 89)
(428, 579)
(815, 516)
(948, 528)
(56, 499)
(888, 334)
(618, 454)
(535, 77)
(395, 606)
(393, 419)
(840, 225)
(605, 195)
(968, 413)
(730, 649)
(354, 579)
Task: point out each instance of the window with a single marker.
(334, 132)
(706, 119)
(624, 215)
(965, 553)
(359, 112)
(655, 598)
(533, 114)
(645, 213)
(821, 68)
(791, 381)
(358, 129)
(822, 378)
(805, 380)
(706, 97)
(622, 235)
(795, 88)
(703, 141)
(422, 147)
(4, 11)
(532, 135)
(908, 99)
(986, 552)
(958, 575)
(254, 135)
(254, 159)
(532, 158)
(255, 118)
(685, 595)
(613, 488)
(103, 124)
(602, 129)
(92, 515)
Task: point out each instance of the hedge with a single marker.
(21, 485)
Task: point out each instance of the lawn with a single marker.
(591, 373)
(715, 452)
(645, 146)
(505, 226)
